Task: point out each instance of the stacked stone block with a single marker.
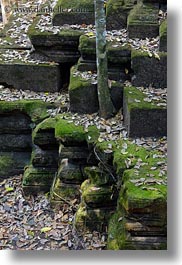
(143, 21)
(38, 176)
(74, 156)
(149, 71)
(142, 116)
(16, 122)
(98, 200)
(140, 219)
(140, 222)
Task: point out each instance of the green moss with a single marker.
(74, 4)
(143, 15)
(77, 81)
(114, 6)
(66, 131)
(36, 109)
(91, 219)
(87, 45)
(98, 176)
(64, 191)
(116, 232)
(135, 100)
(37, 176)
(6, 164)
(45, 125)
(142, 189)
(97, 195)
(34, 32)
(163, 29)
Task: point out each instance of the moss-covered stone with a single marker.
(82, 92)
(149, 71)
(35, 109)
(87, 219)
(61, 192)
(117, 12)
(143, 117)
(144, 193)
(121, 239)
(73, 12)
(98, 196)
(44, 158)
(135, 99)
(98, 176)
(69, 133)
(163, 36)
(29, 75)
(117, 54)
(71, 174)
(6, 165)
(44, 134)
(38, 176)
(143, 21)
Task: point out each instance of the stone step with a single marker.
(82, 12)
(143, 116)
(70, 173)
(44, 158)
(75, 12)
(57, 44)
(44, 135)
(143, 21)
(83, 90)
(15, 123)
(98, 196)
(37, 180)
(62, 193)
(88, 219)
(117, 53)
(148, 69)
(20, 71)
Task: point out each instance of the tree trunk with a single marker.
(105, 103)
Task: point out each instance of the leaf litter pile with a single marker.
(31, 224)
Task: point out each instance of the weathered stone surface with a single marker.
(88, 219)
(116, 91)
(120, 238)
(44, 135)
(11, 142)
(97, 196)
(83, 94)
(76, 155)
(82, 12)
(44, 158)
(35, 77)
(39, 177)
(61, 193)
(37, 110)
(143, 118)
(143, 21)
(15, 123)
(149, 71)
(60, 56)
(117, 54)
(13, 163)
(117, 12)
(140, 221)
(163, 36)
(98, 176)
(71, 174)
